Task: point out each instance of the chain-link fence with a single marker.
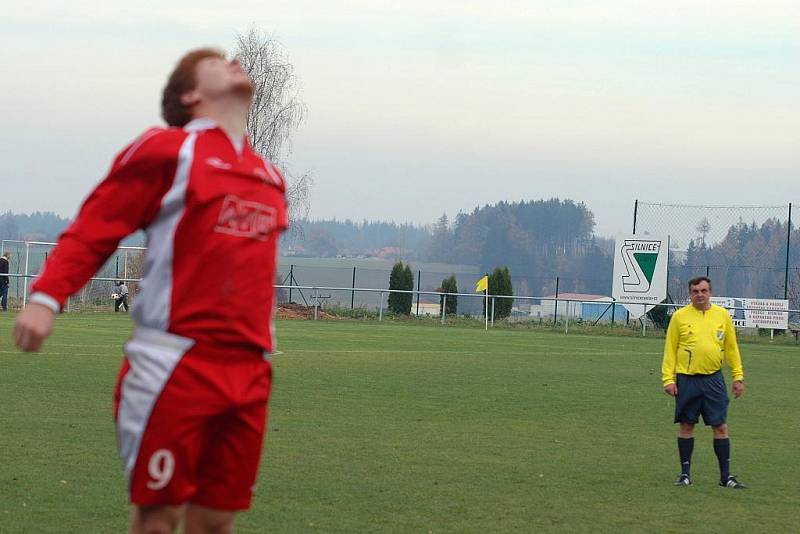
(747, 251)
(428, 277)
(27, 260)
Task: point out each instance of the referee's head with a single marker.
(700, 292)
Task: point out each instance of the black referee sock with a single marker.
(685, 448)
(722, 448)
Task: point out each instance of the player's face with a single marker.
(700, 295)
(218, 77)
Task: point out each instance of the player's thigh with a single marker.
(688, 402)
(228, 468)
(715, 400)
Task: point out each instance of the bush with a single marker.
(500, 284)
(401, 277)
(449, 285)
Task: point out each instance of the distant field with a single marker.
(401, 428)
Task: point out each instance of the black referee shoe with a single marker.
(683, 480)
(732, 483)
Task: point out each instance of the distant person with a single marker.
(122, 296)
(191, 397)
(5, 263)
(699, 337)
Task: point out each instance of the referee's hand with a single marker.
(671, 390)
(33, 326)
(738, 388)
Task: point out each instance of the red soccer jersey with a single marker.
(213, 213)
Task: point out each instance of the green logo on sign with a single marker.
(647, 263)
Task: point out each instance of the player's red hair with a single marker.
(181, 80)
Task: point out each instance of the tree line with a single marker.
(328, 238)
(537, 240)
(36, 226)
(749, 262)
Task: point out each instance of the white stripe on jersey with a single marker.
(139, 142)
(151, 308)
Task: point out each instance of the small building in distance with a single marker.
(582, 306)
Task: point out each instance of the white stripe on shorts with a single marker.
(152, 356)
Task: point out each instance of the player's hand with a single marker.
(33, 326)
(671, 390)
(738, 388)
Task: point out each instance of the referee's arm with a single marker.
(670, 357)
(732, 355)
(734, 358)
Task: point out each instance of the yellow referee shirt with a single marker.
(698, 342)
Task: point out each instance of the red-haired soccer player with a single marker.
(191, 397)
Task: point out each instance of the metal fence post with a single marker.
(25, 280)
(788, 244)
(493, 298)
(419, 281)
(316, 304)
(613, 309)
(380, 313)
(555, 309)
(291, 281)
(444, 307)
(353, 294)
(644, 322)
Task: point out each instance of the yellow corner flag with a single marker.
(482, 284)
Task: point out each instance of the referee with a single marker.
(699, 337)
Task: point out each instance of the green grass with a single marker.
(406, 428)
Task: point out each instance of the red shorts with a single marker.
(190, 421)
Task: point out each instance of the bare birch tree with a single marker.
(277, 111)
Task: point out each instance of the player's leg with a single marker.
(687, 408)
(155, 519)
(202, 520)
(721, 431)
(686, 430)
(722, 449)
(715, 414)
(685, 449)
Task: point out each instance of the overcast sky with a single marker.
(416, 108)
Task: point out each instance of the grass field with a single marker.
(403, 428)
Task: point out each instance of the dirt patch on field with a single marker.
(298, 311)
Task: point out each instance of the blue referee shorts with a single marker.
(701, 395)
